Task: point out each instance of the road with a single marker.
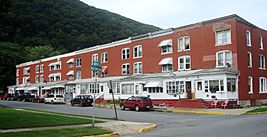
(170, 124)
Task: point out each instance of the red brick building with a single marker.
(222, 58)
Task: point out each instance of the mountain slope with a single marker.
(64, 24)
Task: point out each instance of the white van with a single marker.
(54, 99)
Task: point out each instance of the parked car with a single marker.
(2, 97)
(54, 99)
(137, 103)
(82, 100)
(39, 99)
(26, 97)
(13, 97)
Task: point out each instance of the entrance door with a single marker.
(188, 89)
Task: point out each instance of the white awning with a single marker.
(153, 84)
(33, 88)
(46, 88)
(70, 60)
(165, 61)
(165, 42)
(51, 64)
(28, 68)
(58, 86)
(51, 75)
(20, 88)
(57, 63)
(70, 73)
(57, 74)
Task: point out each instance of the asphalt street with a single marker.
(169, 124)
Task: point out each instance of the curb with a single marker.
(255, 113)
(199, 112)
(149, 128)
(114, 134)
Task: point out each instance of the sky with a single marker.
(174, 13)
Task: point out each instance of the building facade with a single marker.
(222, 58)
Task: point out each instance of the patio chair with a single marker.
(214, 103)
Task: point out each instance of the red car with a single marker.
(39, 99)
(137, 103)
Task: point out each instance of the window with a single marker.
(36, 79)
(94, 74)
(58, 66)
(52, 67)
(248, 38)
(70, 77)
(118, 88)
(166, 49)
(125, 69)
(125, 53)
(26, 70)
(214, 85)
(249, 59)
(17, 81)
(167, 67)
(70, 65)
(127, 88)
(262, 81)
(138, 68)
(78, 74)
(78, 62)
(223, 37)
(155, 89)
(93, 88)
(42, 78)
(137, 51)
(250, 85)
(231, 84)
(94, 58)
(17, 72)
(224, 59)
(42, 68)
(262, 62)
(175, 87)
(184, 44)
(37, 68)
(261, 42)
(26, 80)
(104, 57)
(184, 63)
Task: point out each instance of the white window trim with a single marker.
(138, 56)
(183, 49)
(104, 56)
(93, 56)
(250, 90)
(261, 42)
(166, 52)
(260, 85)
(17, 74)
(167, 70)
(138, 69)
(42, 66)
(248, 44)
(41, 81)
(250, 60)
(37, 80)
(122, 68)
(264, 65)
(216, 43)
(184, 66)
(122, 52)
(224, 51)
(37, 69)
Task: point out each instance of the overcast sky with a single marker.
(174, 13)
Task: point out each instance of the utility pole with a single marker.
(115, 109)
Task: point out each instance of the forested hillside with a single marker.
(34, 29)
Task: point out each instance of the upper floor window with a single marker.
(184, 43)
(42, 68)
(37, 68)
(41, 78)
(78, 62)
(94, 58)
(36, 79)
(138, 68)
(223, 37)
(125, 53)
(17, 72)
(58, 66)
(250, 85)
(26, 70)
(70, 63)
(261, 42)
(262, 83)
(262, 62)
(137, 51)
(26, 80)
(249, 59)
(166, 64)
(184, 63)
(224, 59)
(248, 38)
(166, 46)
(104, 57)
(126, 69)
(17, 81)
(78, 74)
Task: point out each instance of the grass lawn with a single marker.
(11, 118)
(77, 132)
(258, 110)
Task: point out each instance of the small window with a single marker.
(104, 57)
(262, 81)
(78, 62)
(248, 38)
(184, 43)
(184, 63)
(224, 59)
(42, 68)
(78, 74)
(261, 42)
(223, 37)
(138, 68)
(262, 62)
(125, 53)
(125, 69)
(137, 51)
(250, 85)
(249, 60)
